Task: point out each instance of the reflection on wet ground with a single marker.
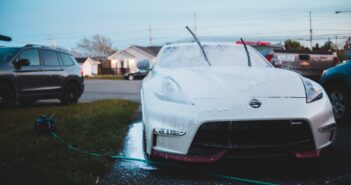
(333, 168)
(133, 147)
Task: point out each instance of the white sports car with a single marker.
(233, 104)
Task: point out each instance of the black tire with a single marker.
(340, 100)
(6, 96)
(27, 102)
(70, 95)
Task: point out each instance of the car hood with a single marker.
(236, 82)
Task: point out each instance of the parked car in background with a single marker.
(308, 64)
(201, 106)
(139, 75)
(265, 48)
(143, 68)
(337, 83)
(30, 73)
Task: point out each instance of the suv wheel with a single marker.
(341, 102)
(70, 95)
(6, 96)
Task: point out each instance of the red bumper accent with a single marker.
(308, 154)
(190, 158)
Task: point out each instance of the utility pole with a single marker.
(336, 42)
(150, 35)
(52, 42)
(195, 26)
(311, 42)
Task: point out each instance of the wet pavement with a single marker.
(332, 168)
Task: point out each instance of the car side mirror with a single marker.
(22, 62)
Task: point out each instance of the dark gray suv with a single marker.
(30, 73)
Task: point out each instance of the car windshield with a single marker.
(180, 56)
(7, 53)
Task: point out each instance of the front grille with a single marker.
(255, 135)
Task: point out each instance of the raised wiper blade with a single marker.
(247, 53)
(198, 42)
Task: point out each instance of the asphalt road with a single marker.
(111, 89)
(332, 168)
(105, 89)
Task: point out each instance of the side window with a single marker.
(32, 55)
(50, 58)
(66, 59)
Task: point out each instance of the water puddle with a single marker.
(133, 147)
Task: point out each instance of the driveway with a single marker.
(111, 89)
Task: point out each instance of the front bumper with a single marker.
(189, 118)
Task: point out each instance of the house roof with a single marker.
(152, 50)
(81, 59)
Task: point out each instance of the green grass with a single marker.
(29, 158)
(106, 77)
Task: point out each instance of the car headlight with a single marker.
(313, 90)
(171, 91)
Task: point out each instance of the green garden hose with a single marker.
(121, 157)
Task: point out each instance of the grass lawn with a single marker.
(106, 77)
(29, 158)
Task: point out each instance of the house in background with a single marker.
(90, 67)
(126, 60)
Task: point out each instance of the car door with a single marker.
(30, 79)
(53, 71)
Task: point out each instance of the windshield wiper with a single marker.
(247, 53)
(5, 38)
(198, 42)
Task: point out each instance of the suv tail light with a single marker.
(335, 61)
(269, 57)
(81, 72)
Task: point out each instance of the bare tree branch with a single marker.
(96, 45)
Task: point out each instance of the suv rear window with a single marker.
(66, 59)
(50, 58)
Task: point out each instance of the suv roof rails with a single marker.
(34, 45)
(47, 47)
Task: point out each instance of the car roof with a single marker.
(205, 43)
(40, 47)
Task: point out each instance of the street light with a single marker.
(337, 12)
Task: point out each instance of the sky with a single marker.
(126, 22)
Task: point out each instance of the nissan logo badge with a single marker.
(255, 103)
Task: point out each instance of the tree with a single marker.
(293, 45)
(96, 45)
(328, 45)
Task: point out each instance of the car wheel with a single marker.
(70, 95)
(130, 77)
(27, 102)
(6, 96)
(341, 103)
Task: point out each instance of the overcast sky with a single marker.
(127, 21)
